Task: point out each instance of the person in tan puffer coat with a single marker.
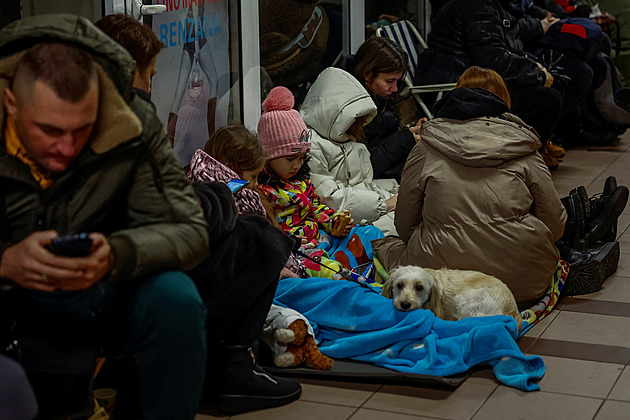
(475, 194)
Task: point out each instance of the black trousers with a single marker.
(558, 107)
(539, 107)
(239, 279)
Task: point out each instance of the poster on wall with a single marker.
(191, 87)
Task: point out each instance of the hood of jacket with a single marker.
(334, 102)
(116, 123)
(474, 128)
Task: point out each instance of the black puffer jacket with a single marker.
(388, 141)
(481, 33)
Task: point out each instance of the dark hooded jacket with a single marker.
(126, 183)
(388, 141)
(480, 33)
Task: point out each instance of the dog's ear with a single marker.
(435, 297)
(388, 286)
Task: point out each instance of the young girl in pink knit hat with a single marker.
(286, 179)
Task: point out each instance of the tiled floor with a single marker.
(585, 343)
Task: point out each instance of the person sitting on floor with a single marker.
(379, 66)
(233, 152)
(285, 181)
(476, 195)
(247, 256)
(81, 155)
(337, 107)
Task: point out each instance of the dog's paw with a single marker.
(284, 335)
(284, 359)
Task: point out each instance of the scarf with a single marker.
(16, 148)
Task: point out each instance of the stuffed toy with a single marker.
(292, 340)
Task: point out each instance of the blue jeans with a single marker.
(166, 328)
(160, 318)
(17, 401)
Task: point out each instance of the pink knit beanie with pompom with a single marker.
(281, 129)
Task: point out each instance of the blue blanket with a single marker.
(353, 321)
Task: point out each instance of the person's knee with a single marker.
(584, 78)
(170, 301)
(17, 399)
(580, 72)
(550, 99)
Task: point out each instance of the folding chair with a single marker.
(407, 36)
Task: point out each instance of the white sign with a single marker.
(191, 87)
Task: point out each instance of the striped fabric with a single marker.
(401, 33)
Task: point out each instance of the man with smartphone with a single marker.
(80, 154)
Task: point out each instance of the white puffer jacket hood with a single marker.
(334, 102)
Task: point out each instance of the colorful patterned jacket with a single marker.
(298, 208)
(204, 167)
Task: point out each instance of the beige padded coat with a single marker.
(475, 194)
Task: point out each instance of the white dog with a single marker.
(450, 294)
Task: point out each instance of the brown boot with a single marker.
(554, 150)
(551, 162)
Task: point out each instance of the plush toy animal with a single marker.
(291, 339)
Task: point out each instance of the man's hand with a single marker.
(30, 265)
(391, 202)
(86, 270)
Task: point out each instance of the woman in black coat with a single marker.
(380, 64)
(485, 34)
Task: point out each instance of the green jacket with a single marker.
(126, 183)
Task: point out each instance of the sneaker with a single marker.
(590, 269)
(247, 387)
(554, 150)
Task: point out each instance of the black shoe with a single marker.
(609, 185)
(584, 201)
(575, 228)
(589, 270)
(598, 201)
(603, 226)
(247, 387)
(597, 136)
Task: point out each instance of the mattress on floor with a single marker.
(347, 369)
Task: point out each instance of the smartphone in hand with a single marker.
(236, 184)
(79, 245)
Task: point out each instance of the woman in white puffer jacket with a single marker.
(335, 106)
